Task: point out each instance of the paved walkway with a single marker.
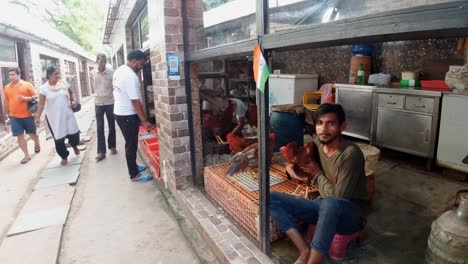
(104, 218)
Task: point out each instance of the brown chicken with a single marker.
(247, 159)
(238, 143)
(300, 156)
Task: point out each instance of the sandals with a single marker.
(142, 178)
(114, 151)
(37, 149)
(100, 156)
(76, 150)
(141, 168)
(25, 160)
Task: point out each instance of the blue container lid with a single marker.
(364, 49)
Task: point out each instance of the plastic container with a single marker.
(410, 83)
(364, 49)
(288, 127)
(356, 62)
(435, 85)
(290, 88)
(371, 155)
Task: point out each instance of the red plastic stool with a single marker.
(339, 244)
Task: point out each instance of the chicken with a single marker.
(247, 159)
(300, 156)
(238, 143)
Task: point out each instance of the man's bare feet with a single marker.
(303, 256)
(64, 162)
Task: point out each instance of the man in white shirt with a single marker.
(101, 83)
(129, 112)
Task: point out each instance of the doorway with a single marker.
(3, 82)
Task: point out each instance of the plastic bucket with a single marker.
(371, 154)
(288, 127)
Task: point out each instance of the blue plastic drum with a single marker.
(288, 125)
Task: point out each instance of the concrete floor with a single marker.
(17, 180)
(114, 220)
(406, 201)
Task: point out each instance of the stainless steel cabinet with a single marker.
(404, 131)
(406, 120)
(357, 103)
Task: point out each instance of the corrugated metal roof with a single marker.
(14, 18)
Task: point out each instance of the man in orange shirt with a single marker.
(17, 94)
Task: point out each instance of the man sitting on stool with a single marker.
(341, 181)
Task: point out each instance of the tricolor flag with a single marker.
(261, 71)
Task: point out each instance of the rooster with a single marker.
(247, 159)
(300, 156)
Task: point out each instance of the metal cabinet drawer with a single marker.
(391, 101)
(419, 104)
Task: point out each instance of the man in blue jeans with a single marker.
(101, 84)
(340, 179)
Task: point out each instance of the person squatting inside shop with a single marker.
(221, 115)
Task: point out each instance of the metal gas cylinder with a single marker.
(448, 241)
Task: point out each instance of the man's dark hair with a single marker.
(101, 55)
(336, 109)
(136, 55)
(16, 70)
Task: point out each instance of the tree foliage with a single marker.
(80, 20)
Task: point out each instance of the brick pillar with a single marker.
(196, 115)
(166, 36)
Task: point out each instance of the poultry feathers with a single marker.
(238, 143)
(300, 156)
(247, 159)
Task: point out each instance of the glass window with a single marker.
(140, 31)
(46, 62)
(285, 14)
(120, 57)
(220, 22)
(136, 36)
(144, 30)
(7, 50)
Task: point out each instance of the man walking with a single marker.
(128, 110)
(101, 83)
(17, 95)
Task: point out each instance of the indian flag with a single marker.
(260, 67)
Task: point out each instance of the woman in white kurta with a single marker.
(55, 100)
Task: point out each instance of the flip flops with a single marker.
(141, 168)
(142, 178)
(25, 160)
(37, 149)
